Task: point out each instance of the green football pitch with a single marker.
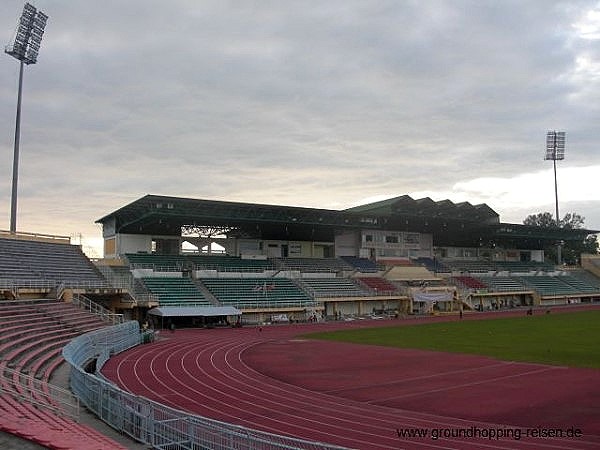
(565, 339)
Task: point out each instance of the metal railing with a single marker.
(88, 305)
(42, 283)
(42, 394)
(150, 422)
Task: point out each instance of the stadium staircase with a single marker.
(32, 335)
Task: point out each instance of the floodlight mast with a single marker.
(555, 151)
(25, 49)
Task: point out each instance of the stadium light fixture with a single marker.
(555, 151)
(25, 48)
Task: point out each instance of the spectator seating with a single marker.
(582, 286)
(545, 285)
(482, 266)
(32, 334)
(549, 285)
(470, 266)
(363, 265)
(523, 266)
(503, 284)
(379, 285)
(333, 287)
(47, 428)
(257, 292)
(26, 261)
(28, 324)
(469, 282)
(313, 265)
(175, 291)
(178, 263)
(225, 263)
(589, 278)
(158, 263)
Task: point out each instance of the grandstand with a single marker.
(398, 256)
(406, 242)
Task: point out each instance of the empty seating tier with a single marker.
(549, 286)
(32, 334)
(482, 267)
(333, 287)
(178, 263)
(470, 266)
(469, 282)
(379, 285)
(24, 262)
(363, 265)
(580, 285)
(175, 291)
(589, 278)
(257, 292)
(159, 263)
(223, 263)
(313, 265)
(503, 284)
(523, 266)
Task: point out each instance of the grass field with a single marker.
(566, 339)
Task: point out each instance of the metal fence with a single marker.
(150, 422)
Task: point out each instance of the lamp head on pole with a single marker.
(28, 37)
(555, 145)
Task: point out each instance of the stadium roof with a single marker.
(451, 224)
(426, 207)
(153, 214)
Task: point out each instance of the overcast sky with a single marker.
(306, 103)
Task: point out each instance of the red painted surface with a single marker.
(360, 396)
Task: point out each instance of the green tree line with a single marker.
(571, 250)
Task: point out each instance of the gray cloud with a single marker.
(307, 103)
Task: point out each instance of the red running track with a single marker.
(362, 396)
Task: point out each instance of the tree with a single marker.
(571, 221)
(571, 250)
(543, 220)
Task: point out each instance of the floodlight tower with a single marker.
(555, 151)
(25, 49)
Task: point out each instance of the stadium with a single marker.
(189, 333)
(207, 324)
